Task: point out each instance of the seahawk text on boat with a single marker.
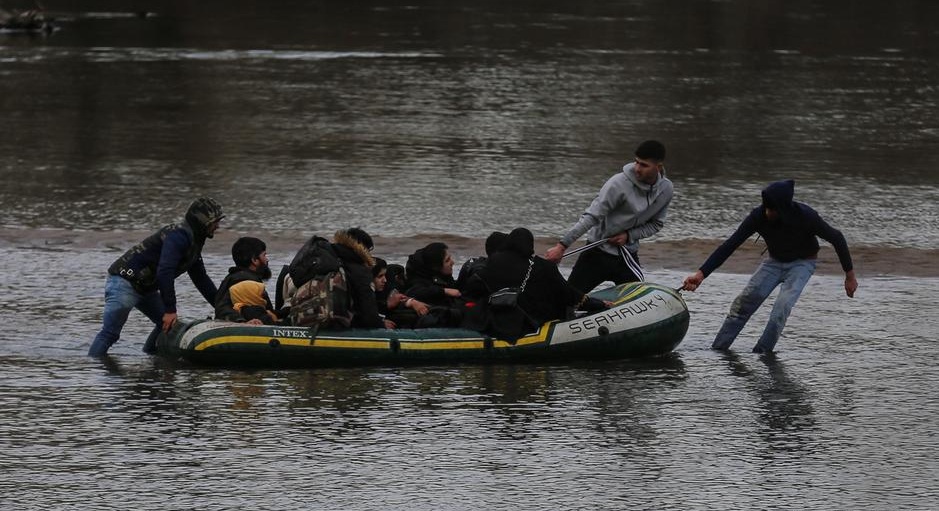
(616, 313)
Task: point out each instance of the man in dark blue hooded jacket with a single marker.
(143, 278)
(791, 230)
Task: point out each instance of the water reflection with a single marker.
(422, 397)
(784, 403)
(515, 395)
(155, 394)
(581, 428)
(511, 401)
(625, 413)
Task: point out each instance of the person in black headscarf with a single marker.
(546, 295)
(474, 264)
(429, 279)
(429, 276)
(397, 307)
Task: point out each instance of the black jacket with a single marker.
(427, 285)
(225, 306)
(156, 262)
(794, 235)
(547, 296)
(358, 263)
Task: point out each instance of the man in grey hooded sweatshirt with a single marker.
(630, 206)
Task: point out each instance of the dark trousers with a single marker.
(596, 266)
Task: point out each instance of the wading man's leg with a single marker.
(795, 277)
(119, 299)
(761, 284)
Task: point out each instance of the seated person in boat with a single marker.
(395, 277)
(474, 264)
(350, 298)
(429, 278)
(354, 247)
(395, 306)
(242, 295)
(545, 295)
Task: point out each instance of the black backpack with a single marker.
(316, 257)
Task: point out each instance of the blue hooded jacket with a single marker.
(156, 262)
(793, 235)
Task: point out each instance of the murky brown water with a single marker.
(434, 118)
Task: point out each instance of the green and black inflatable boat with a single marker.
(645, 320)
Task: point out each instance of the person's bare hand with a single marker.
(169, 319)
(395, 299)
(850, 284)
(419, 307)
(619, 240)
(693, 281)
(555, 253)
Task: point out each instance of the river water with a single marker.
(431, 120)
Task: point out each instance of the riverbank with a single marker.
(869, 260)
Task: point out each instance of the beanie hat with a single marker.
(203, 211)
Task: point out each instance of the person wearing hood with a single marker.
(429, 279)
(791, 230)
(242, 295)
(546, 295)
(474, 264)
(398, 309)
(144, 277)
(353, 247)
(429, 276)
(630, 206)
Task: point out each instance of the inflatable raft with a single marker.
(645, 320)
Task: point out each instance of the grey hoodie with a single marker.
(624, 204)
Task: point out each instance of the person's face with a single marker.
(447, 268)
(261, 260)
(771, 214)
(212, 227)
(260, 266)
(648, 170)
(380, 280)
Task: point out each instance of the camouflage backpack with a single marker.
(322, 302)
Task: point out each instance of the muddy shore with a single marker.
(685, 255)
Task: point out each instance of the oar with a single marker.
(588, 246)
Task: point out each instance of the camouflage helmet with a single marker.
(204, 211)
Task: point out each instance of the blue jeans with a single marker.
(120, 298)
(792, 277)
